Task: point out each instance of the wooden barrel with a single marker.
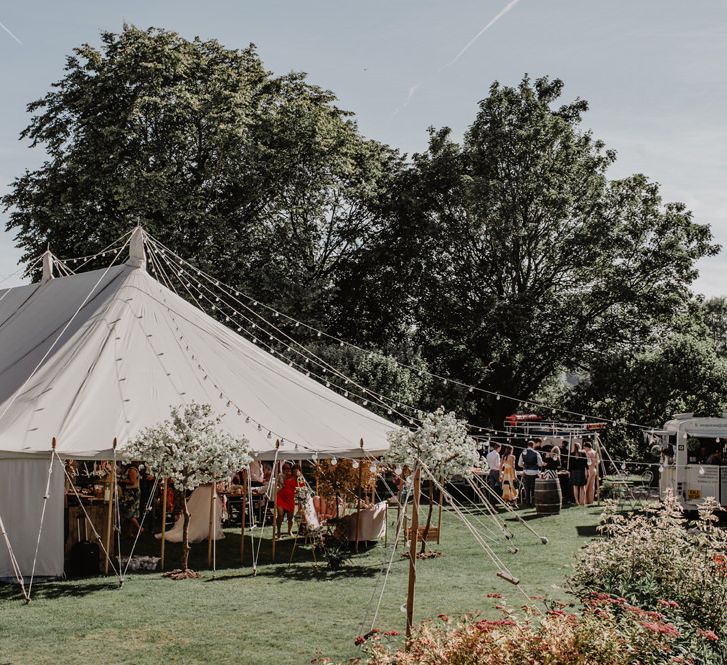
(548, 497)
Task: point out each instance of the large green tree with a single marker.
(714, 311)
(678, 370)
(511, 253)
(260, 179)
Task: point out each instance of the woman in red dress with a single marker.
(285, 498)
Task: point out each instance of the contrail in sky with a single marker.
(4, 27)
(465, 48)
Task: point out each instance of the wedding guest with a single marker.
(129, 502)
(508, 475)
(530, 462)
(552, 460)
(578, 474)
(591, 472)
(285, 497)
(493, 463)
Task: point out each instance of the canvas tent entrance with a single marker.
(98, 356)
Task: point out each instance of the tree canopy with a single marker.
(260, 179)
(499, 259)
(512, 253)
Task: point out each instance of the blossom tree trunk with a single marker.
(185, 534)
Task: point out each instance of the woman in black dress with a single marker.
(578, 474)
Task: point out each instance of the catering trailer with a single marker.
(694, 459)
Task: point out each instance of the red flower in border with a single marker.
(667, 603)
(661, 628)
(708, 635)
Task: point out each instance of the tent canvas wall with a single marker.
(100, 355)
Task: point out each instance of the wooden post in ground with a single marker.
(275, 502)
(413, 554)
(109, 515)
(164, 524)
(211, 528)
(358, 493)
(439, 510)
(243, 510)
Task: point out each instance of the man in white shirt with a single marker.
(493, 463)
(530, 462)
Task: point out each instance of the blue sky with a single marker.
(654, 72)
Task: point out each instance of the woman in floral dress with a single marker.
(508, 476)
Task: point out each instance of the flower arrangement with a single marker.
(192, 449)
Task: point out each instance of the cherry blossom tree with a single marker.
(192, 449)
(441, 445)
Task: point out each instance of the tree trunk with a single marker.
(425, 533)
(185, 534)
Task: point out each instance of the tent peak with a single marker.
(137, 254)
(48, 260)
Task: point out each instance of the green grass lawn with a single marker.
(283, 614)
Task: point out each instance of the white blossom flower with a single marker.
(190, 448)
(441, 443)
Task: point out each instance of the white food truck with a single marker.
(694, 459)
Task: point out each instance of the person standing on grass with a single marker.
(285, 498)
(493, 463)
(530, 462)
(578, 474)
(508, 475)
(591, 472)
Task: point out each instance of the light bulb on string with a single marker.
(661, 468)
(259, 427)
(354, 464)
(397, 470)
(334, 461)
(270, 435)
(701, 470)
(372, 468)
(247, 419)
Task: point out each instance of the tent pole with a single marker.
(210, 534)
(164, 523)
(358, 501)
(413, 553)
(109, 516)
(275, 500)
(439, 510)
(243, 509)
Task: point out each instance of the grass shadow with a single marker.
(61, 589)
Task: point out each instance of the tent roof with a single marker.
(134, 350)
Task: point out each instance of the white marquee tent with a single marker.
(98, 356)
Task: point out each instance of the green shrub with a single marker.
(658, 556)
(608, 631)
